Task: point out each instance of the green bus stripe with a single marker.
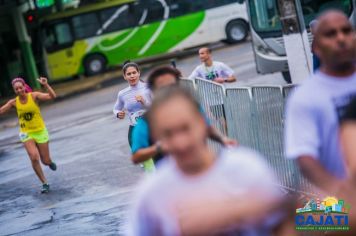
(175, 31)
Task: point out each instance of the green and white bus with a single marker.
(91, 38)
(266, 30)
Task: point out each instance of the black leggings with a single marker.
(130, 135)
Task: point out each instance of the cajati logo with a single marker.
(330, 214)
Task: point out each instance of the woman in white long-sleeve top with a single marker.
(134, 99)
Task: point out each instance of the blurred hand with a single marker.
(219, 80)
(229, 142)
(213, 215)
(43, 81)
(140, 99)
(121, 115)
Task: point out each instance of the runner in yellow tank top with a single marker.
(29, 114)
(33, 131)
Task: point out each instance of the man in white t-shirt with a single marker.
(219, 73)
(314, 110)
(196, 192)
(212, 70)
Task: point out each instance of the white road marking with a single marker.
(159, 30)
(112, 18)
(128, 37)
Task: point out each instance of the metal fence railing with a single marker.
(188, 84)
(269, 103)
(211, 96)
(240, 116)
(255, 117)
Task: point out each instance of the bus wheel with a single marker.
(287, 77)
(94, 64)
(236, 31)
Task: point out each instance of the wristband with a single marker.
(158, 148)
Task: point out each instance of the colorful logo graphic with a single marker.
(330, 214)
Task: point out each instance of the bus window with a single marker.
(312, 8)
(218, 3)
(49, 37)
(183, 7)
(57, 36)
(85, 25)
(155, 12)
(137, 11)
(265, 16)
(63, 33)
(114, 19)
(179, 7)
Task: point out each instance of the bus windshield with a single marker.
(265, 19)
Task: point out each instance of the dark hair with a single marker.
(128, 64)
(169, 93)
(350, 112)
(163, 70)
(207, 48)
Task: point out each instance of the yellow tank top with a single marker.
(29, 115)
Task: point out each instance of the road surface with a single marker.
(95, 181)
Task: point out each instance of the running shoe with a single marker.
(45, 188)
(53, 166)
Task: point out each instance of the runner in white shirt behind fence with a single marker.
(217, 72)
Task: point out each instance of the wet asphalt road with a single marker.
(95, 181)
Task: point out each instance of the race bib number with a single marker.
(134, 116)
(23, 136)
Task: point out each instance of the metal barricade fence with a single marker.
(240, 116)
(303, 184)
(188, 84)
(211, 96)
(269, 107)
(255, 117)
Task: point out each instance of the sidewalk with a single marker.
(84, 84)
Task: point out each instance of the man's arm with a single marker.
(5, 108)
(229, 72)
(231, 79)
(194, 74)
(318, 175)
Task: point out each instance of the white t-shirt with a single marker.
(126, 100)
(235, 172)
(217, 70)
(312, 120)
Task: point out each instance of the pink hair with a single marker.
(28, 89)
